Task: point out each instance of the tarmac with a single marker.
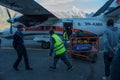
(40, 61)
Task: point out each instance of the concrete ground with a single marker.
(40, 62)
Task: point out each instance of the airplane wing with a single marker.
(26, 7)
(33, 12)
(50, 21)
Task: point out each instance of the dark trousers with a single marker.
(22, 53)
(107, 62)
(63, 58)
(115, 67)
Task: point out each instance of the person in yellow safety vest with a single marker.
(58, 47)
(65, 37)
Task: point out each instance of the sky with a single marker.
(87, 6)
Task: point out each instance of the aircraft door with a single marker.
(68, 26)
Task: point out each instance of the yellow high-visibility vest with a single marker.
(59, 47)
(65, 35)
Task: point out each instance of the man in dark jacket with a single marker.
(18, 45)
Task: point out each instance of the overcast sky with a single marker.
(63, 5)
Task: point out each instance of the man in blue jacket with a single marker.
(18, 44)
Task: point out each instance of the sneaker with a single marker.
(51, 67)
(104, 78)
(69, 68)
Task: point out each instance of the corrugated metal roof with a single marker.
(113, 12)
(103, 8)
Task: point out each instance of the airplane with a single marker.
(40, 32)
(39, 20)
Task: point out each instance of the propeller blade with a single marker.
(15, 14)
(10, 18)
(11, 31)
(8, 13)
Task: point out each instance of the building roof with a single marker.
(103, 8)
(113, 12)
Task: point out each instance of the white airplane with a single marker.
(40, 22)
(40, 32)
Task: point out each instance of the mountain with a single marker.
(74, 12)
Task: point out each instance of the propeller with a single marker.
(10, 20)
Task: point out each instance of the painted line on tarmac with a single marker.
(26, 48)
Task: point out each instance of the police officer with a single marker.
(59, 48)
(65, 38)
(18, 45)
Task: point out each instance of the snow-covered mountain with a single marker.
(74, 12)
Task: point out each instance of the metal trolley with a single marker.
(84, 48)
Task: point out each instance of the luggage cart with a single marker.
(84, 48)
